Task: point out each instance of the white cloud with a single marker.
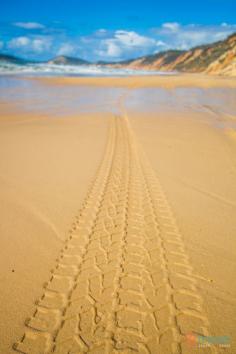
(111, 49)
(102, 30)
(187, 36)
(41, 44)
(133, 39)
(172, 26)
(66, 49)
(19, 42)
(101, 33)
(30, 45)
(122, 43)
(29, 25)
(161, 44)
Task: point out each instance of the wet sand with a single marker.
(129, 196)
(165, 81)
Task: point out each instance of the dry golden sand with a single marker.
(195, 163)
(150, 255)
(46, 167)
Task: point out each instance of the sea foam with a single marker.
(69, 70)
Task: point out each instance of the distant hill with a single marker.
(64, 60)
(4, 58)
(60, 60)
(217, 58)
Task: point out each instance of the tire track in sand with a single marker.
(123, 282)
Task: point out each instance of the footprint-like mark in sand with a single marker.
(123, 282)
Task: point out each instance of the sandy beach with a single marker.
(118, 205)
(166, 81)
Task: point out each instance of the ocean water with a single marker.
(69, 70)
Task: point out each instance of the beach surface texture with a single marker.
(118, 205)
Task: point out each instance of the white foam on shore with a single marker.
(70, 70)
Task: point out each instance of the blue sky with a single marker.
(111, 30)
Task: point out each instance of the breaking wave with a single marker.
(69, 70)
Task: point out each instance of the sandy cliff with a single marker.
(217, 58)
